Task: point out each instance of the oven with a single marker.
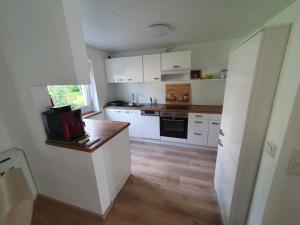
(173, 124)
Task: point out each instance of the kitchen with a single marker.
(149, 112)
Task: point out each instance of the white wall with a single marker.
(209, 57)
(5, 142)
(204, 92)
(35, 49)
(97, 57)
(271, 205)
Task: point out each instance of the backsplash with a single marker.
(203, 92)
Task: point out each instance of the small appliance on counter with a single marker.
(117, 103)
(63, 124)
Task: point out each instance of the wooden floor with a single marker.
(169, 186)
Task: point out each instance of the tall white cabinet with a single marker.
(254, 68)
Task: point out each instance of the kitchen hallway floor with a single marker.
(169, 186)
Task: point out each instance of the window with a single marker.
(74, 95)
(82, 97)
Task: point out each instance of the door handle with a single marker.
(220, 143)
(221, 132)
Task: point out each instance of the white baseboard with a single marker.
(177, 144)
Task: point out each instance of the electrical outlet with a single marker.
(270, 148)
(294, 163)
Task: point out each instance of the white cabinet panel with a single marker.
(152, 67)
(213, 133)
(114, 70)
(197, 137)
(150, 127)
(130, 116)
(133, 69)
(198, 125)
(197, 116)
(176, 61)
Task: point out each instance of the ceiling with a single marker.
(119, 25)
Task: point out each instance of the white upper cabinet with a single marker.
(176, 62)
(114, 70)
(133, 69)
(152, 67)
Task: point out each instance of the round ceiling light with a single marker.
(158, 30)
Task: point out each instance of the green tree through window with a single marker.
(68, 95)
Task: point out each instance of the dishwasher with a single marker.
(150, 124)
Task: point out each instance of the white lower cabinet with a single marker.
(130, 116)
(203, 129)
(213, 133)
(150, 127)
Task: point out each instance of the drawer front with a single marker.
(216, 117)
(195, 116)
(198, 124)
(197, 138)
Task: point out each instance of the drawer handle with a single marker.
(198, 116)
(220, 143)
(156, 78)
(198, 122)
(129, 79)
(198, 133)
(221, 132)
(176, 66)
(214, 123)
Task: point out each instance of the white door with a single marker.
(176, 60)
(134, 118)
(133, 69)
(152, 67)
(242, 65)
(114, 69)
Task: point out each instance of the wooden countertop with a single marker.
(211, 109)
(105, 130)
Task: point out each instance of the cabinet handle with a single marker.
(198, 116)
(176, 66)
(220, 143)
(198, 122)
(129, 79)
(156, 78)
(221, 132)
(214, 123)
(198, 133)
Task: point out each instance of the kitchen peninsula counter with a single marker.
(105, 130)
(100, 171)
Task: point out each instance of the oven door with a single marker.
(173, 127)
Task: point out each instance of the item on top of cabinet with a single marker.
(178, 93)
(207, 76)
(195, 74)
(223, 73)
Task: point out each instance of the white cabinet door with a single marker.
(114, 70)
(133, 69)
(176, 61)
(213, 133)
(152, 67)
(197, 137)
(150, 127)
(242, 65)
(134, 118)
